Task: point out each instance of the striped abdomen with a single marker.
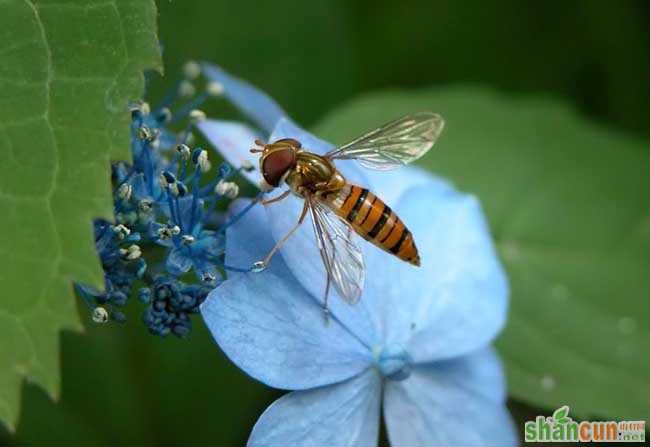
(374, 221)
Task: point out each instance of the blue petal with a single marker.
(233, 140)
(178, 261)
(456, 302)
(251, 101)
(451, 403)
(140, 189)
(270, 327)
(190, 215)
(210, 243)
(479, 372)
(345, 414)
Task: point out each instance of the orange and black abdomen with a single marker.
(374, 221)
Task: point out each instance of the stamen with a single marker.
(145, 108)
(172, 210)
(145, 134)
(247, 166)
(132, 253)
(208, 277)
(186, 89)
(100, 315)
(173, 189)
(187, 239)
(184, 151)
(167, 178)
(138, 111)
(214, 88)
(200, 158)
(192, 70)
(164, 233)
(124, 191)
(227, 189)
(197, 116)
(180, 189)
(121, 231)
(196, 190)
(145, 205)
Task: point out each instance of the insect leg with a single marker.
(260, 265)
(326, 309)
(282, 196)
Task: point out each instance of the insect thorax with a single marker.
(313, 172)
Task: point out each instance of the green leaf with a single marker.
(69, 68)
(561, 415)
(122, 386)
(568, 205)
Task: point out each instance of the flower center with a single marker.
(393, 362)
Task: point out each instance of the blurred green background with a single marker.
(122, 386)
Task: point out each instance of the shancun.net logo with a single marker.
(561, 428)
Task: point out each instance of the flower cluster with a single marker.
(417, 343)
(167, 198)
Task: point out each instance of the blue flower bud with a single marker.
(394, 362)
(118, 316)
(144, 295)
(119, 298)
(181, 330)
(225, 170)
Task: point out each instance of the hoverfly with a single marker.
(339, 209)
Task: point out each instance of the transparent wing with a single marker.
(342, 258)
(394, 144)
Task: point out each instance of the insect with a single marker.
(339, 209)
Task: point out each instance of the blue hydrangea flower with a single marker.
(418, 342)
(170, 304)
(166, 197)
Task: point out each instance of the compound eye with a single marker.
(276, 164)
(291, 142)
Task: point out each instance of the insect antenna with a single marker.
(259, 143)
